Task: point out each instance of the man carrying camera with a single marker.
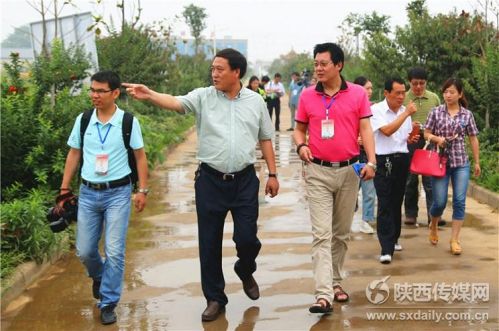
(105, 193)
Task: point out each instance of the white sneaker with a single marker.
(398, 247)
(385, 259)
(366, 228)
(356, 226)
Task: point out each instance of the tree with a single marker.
(443, 44)
(20, 38)
(136, 56)
(484, 86)
(446, 53)
(122, 5)
(382, 59)
(193, 72)
(42, 10)
(195, 18)
(135, 17)
(63, 68)
(56, 11)
(355, 26)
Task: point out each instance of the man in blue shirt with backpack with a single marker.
(104, 201)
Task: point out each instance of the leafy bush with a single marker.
(10, 260)
(13, 70)
(18, 134)
(160, 128)
(489, 160)
(46, 157)
(24, 228)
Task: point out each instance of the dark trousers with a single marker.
(215, 197)
(275, 104)
(412, 189)
(390, 192)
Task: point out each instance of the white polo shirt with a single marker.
(397, 142)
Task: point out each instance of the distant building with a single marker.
(211, 46)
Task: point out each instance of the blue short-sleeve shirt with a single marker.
(113, 146)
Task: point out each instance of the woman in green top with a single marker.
(254, 85)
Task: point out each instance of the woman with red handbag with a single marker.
(446, 126)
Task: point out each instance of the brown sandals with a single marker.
(339, 294)
(321, 306)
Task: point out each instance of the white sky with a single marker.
(272, 27)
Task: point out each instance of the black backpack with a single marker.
(126, 129)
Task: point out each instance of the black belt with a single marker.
(392, 156)
(104, 186)
(226, 176)
(335, 164)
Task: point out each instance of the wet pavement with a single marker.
(162, 281)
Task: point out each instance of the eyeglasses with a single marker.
(322, 64)
(416, 83)
(98, 92)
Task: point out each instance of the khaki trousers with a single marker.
(331, 194)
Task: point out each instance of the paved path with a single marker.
(162, 289)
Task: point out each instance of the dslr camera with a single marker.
(305, 78)
(61, 216)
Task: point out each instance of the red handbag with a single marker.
(428, 163)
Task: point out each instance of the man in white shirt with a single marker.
(275, 90)
(391, 123)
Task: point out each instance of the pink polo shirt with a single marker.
(349, 106)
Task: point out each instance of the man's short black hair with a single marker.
(417, 73)
(109, 77)
(265, 79)
(236, 60)
(389, 83)
(277, 75)
(334, 50)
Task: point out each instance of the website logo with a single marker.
(378, 291)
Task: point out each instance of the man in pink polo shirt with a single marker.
(333, 113)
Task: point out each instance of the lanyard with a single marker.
(327, 106)
(105, 137)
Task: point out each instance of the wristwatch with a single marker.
(272, 175)
(372, 165)
(299, 147)
(143, 190)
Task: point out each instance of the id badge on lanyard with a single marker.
(327, 129)
(327, 125)
(101, 164)
(102, 160)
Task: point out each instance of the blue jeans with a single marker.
(368, 192)
(107, 210)
(460, 177)
(368, 199)
(292, 108)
